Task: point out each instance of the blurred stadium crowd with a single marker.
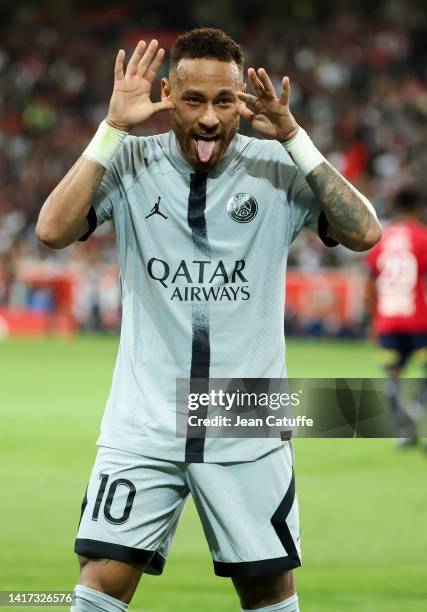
(359, 86)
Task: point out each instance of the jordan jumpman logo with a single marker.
(155, 210)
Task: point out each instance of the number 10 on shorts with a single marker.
(112, 488)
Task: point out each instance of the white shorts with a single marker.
(249, 511)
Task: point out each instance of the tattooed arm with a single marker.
(63, 217)
(350, 219)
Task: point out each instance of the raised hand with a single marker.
(268, 114)
(130, 103)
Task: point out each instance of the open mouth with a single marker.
(205, 146)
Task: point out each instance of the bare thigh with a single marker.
(117, 579)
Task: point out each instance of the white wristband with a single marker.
(104, 144)
(303, 152)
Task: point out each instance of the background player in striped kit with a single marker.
(398, 302)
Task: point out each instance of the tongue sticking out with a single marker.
(205, 149)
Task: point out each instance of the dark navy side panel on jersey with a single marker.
(200, 345)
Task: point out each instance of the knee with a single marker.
(261, 591)
(118, 580)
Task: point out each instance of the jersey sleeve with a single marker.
(306, 211)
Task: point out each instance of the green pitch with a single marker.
(363, 504)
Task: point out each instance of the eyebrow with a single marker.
(194, 92)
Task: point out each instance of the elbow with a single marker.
(362, 243)
(47, 236)
(372, 236)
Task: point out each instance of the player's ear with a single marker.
(166, 89)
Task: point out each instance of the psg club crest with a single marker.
(242, 207)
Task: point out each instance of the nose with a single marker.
(209, 120)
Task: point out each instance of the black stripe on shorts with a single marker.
(278, 520)
(153, 561)
(265, 567)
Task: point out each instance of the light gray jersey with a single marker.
(202, 270)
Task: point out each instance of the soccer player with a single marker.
(397, 296)
(202, 293)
